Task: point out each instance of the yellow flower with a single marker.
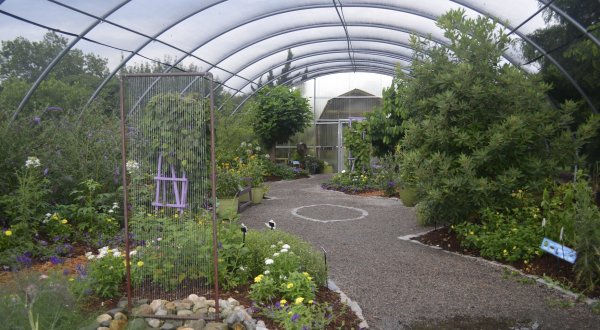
(305, 274)
(140, 263)
(310, 301)
(298, 300)
(8, 232)
(471, 233)
(504, 252)
(64, 221)
(290, 285)
(283, 302)
(525, 262)
(71, 279)
(258, 278)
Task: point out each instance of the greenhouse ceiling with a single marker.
(240, 41)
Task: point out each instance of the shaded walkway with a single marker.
(397, 282)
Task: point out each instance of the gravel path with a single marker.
(399, 284)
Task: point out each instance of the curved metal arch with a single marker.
(571, 20)
(386, 66)
(142, 46)
(318, 62)
(59, 57)
(316, 26)
(317, 6)
(548, 56)
(323, 40)
(334, 51)
(324, 72)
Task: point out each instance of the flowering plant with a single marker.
(228, 182)
(103, 275)
(302, 315)
(281, 278)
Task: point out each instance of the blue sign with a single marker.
(559, 250)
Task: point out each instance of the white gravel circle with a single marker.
(363, 213)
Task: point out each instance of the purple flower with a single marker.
(46, 171)
(24, 260)
(66, 272)
(81, 270)
(295, 317)
(43, 243)
(56, 260)
(37, 120)
(277, 305)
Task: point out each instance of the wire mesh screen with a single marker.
(166, 127)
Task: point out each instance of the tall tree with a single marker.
(476, 130)
(279, 113)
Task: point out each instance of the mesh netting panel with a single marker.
(167, 127)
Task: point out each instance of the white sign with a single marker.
(559, 250)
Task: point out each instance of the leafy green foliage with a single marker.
(511, 236)
(385, 124)
(357, 142)
(474, 129)
(279, 113)
(45, 299)
(302, 316)
(576, 53)
(308, 260)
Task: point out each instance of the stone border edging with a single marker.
(352, 304)
(536, 278)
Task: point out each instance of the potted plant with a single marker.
(327, 168)
(228, 183)
(255, 169)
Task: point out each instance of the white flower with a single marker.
(48, 215)
(115, 205)
(89, 255)
(280, 242)
(243, 144)
(159, 239)
(257, 148)
(267, 272)
(132, 166)
(285, 246)
(388, 115)
(343, 171)
(268, 261)
(273, 246)
(32, 162)
(276, 254)
(111, 211)
(267, 156)
(250, 145)
(116, 253)
(284, 250)
(242, 268)
(132, 253)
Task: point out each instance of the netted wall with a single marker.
(167, 130)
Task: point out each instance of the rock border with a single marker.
(352, 304)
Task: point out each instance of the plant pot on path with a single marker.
(257, 194)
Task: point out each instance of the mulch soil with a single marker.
(546, 265)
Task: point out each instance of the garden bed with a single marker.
(345, 317)
(546, 266)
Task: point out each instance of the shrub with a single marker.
(103, 276)
(511, 236)
(304, 259)
(474, 129)
(313, 165)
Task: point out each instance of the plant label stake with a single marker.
(244, 230)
